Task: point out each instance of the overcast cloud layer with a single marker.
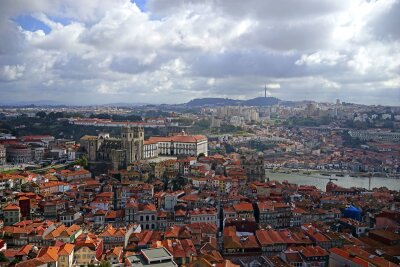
(88, 52)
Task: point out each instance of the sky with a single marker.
(158, 51)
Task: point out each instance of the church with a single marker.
(117, 151)
(131, 146)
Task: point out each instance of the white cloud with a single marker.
(105, 89)
(273, 85)
(199, 48)
(392, 83)
(329, 58)
(12, 73)
(211, 81)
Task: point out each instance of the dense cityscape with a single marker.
(200, 184)
(199, 133)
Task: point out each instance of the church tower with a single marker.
(132, 143)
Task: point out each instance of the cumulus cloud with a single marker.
(321, 58)
(273, 85)
(80, 51)
(11, 73)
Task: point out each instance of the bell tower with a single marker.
(132, 143)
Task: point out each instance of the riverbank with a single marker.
(346, 180)
(334, 173)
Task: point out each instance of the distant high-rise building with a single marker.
(2, 155)
(237, 121)
(251, 115)
(215, 123)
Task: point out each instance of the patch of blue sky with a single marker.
(29, 23)
(62, 20)
(141, 4)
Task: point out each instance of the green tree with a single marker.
(101, 116)
(15, 261)
(388, 124)
(201, 125)
(229, 148)
(3, 258)
(83, 161)
(178, 183)
(165, 181)
(105, 264)
(348, 141)
(41, 114)
(126, 118)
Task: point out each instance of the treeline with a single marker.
(348, 141)
(310, 122)
(57, 115)
(117, 117)
(364, 125)
(260, 146)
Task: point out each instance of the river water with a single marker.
(320, 181)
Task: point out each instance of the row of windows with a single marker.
(109, 238)
(203, 219)
(147, 218)
(177, 146)
(11, 213)
(148, 226)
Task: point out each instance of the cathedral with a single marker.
(119, 152)
(253, 166)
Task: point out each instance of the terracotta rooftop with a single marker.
(243, 206)
(11, 207)
(179, 138)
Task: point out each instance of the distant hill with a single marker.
(35, 103)
(261, 101)
(199, 102)
(258, 101)
(123, 104)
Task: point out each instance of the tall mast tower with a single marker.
(265, 90)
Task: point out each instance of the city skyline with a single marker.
(131, 51)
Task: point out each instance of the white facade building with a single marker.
(205, 215)
(2, 155)
(150, 149)
(190, 145)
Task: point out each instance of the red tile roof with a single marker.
(346, 255)
(243, 206)
(11, 207)
(179, 138)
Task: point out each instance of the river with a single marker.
(320, 181)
